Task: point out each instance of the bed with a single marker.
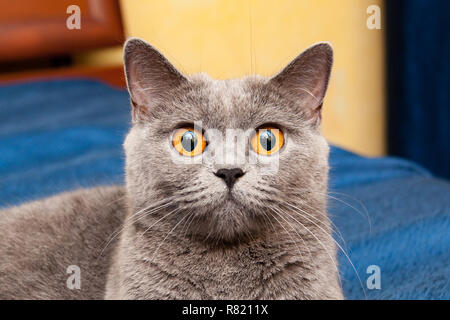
(58, 135)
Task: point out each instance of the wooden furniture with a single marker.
(112, 75)
(31, 30)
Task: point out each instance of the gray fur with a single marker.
(41, 239)
(186, 235)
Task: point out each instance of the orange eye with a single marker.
(188, 142)
(267, 141)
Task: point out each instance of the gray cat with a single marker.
(190, 223)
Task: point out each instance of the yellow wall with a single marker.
(231, 38)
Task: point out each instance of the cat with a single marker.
(185, 226)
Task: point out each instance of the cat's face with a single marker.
(219, 155)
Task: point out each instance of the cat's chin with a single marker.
(230, 221)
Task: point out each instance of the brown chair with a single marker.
(37, 31)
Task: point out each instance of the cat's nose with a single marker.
(229, 175)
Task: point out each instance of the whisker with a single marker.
(296, 192)
(299, 235)
(318, 240)
(160, 219)
(188, 223)
(267, 218)
(115, 200)
(289, 234)
(366, 212)
(340, 247)
(176, 225)
(164, 202)
(310, 93)
(127, 222)
(324, 215)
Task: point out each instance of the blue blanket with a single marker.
(390, 213)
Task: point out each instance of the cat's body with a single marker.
(41, 239)
(197, 226)
(269, 266)
(75, 228)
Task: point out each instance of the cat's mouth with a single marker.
(227, 198)
(231, 201)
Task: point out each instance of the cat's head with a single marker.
(221, 156)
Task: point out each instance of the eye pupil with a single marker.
(189, 141)
(267, 140)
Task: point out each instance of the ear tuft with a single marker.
(306, 77)
(149, 75)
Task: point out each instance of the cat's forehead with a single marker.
(221, 104)
(229, 101)
(224, 93)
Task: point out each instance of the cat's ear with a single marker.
(306, 78)
(149, 75)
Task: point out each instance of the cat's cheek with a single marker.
(134, 139)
